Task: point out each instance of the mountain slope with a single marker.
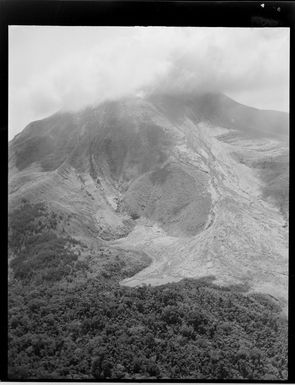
(185, 179)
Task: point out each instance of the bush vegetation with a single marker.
(92, 328)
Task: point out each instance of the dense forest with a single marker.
(71, 319)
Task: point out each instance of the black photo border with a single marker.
(136, 13)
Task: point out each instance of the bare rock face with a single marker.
(197, 182)
(173, 197)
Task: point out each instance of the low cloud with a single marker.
(245, 62)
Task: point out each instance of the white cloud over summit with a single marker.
(54, 68)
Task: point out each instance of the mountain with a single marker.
(198, 183)
(148, 239)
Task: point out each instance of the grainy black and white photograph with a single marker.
(148, 207)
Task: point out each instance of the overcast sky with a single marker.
(53, 68)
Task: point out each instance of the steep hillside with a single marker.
(197, 182)
(220, 110)
(173, 196)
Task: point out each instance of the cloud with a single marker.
(234, 61)
(227, 61)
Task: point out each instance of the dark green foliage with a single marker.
(97, 329)
(26, 220)
(45, 257)
(40, 254)
(100, 368)
(65, 324)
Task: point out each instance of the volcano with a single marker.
(197, 182)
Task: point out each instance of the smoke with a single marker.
(243, 62)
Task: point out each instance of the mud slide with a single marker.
(244, 239)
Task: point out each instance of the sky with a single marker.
(69, 68)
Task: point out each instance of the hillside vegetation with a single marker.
(84, 325)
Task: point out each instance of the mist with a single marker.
(69, 68)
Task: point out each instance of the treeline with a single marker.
(91, 327)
